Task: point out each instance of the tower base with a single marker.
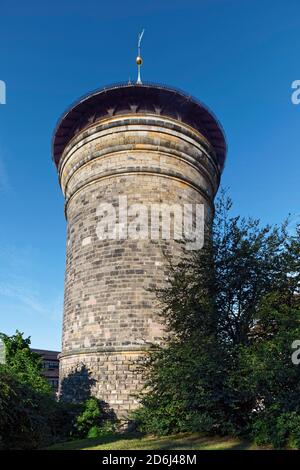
(114, 377)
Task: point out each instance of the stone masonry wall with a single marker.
(115, 377)
(110, 310)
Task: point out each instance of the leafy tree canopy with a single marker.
(231, 312)
(23, 363)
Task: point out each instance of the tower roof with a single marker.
(124, 98)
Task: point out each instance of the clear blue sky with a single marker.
(238, 57)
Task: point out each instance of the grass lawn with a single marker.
(174, 442)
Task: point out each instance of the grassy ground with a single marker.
(175, 442)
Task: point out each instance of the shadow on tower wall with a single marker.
(76, 387)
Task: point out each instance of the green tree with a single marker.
(26, 401)
(30, 417)
(94, 420)
(231, 314)
(25, 414)
(23, 363)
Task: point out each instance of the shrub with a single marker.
(94, 415)
(24, 415)
(106, 429)
(280, 430)
(62, 420)
(30, 417)
(231, 312)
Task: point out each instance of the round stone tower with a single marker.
(122, 153)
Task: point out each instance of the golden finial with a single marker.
(139, 59)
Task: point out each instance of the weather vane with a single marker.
(139, 59)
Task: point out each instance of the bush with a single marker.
(160, 420)
(62, 420)
(107, 429)
(94, 415)
(279, 430)
(231, 312)
(23, 363)
(26, 401)
(24, 415)
(31, 419)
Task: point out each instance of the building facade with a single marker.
(50, 361)
(116, 150)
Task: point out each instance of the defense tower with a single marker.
(152, 144)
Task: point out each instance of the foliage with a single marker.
(90, 416)
(23, 414)
(231, 311)
(136, 441)
(30, 417)
(23, 363)
(62, 418)
(93, 419)
(107, 429)
(281, 429)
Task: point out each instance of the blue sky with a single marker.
(238, 57)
